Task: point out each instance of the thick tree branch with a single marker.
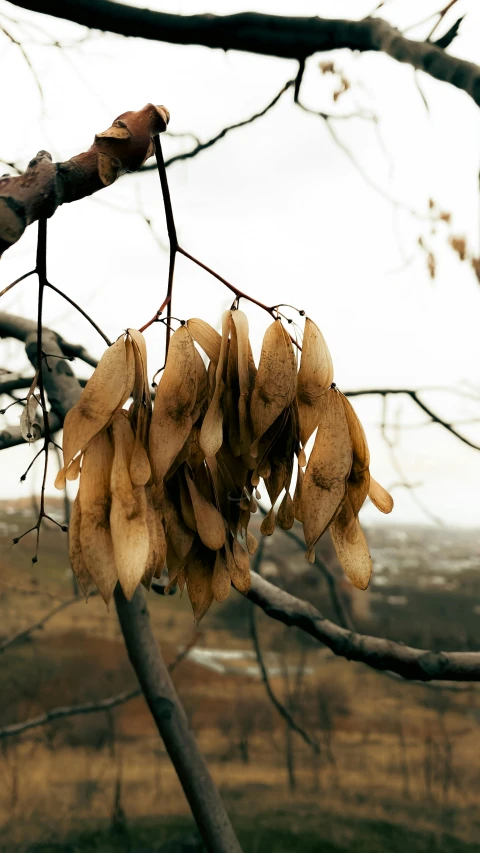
(172, 723)
(377, 652)
(272, 35)
(20, 328)
(44, 186)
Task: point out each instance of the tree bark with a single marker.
(272, 35)
(169, 715)
(44, 186)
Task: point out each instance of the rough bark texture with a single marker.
(377, 652)
(274, 35)
(44, 186)
(172, 723)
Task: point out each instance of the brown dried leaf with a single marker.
(267, 526)
(286, 514)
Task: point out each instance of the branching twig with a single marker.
(25, 633)
(15, 729)
(264, 673)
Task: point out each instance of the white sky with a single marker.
(278, 209)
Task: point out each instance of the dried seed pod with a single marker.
(208, 519)
(94, 498)
(206, 337)
(174, 403)
(202, 387)
(104, 392)
(324, 484)
(243, 358)
(275, 383)
(30, 430)
(221, 583)
(286, 513)
(297, 497)
(199, 573)
(252, 543)
(354, 557)
(83, 576)
(267, 526)
(314, 377)
(73, 469)
(157, 543)
(240, 568)
(211, 435)
(130, 536)
(380, 497)
(128, 515)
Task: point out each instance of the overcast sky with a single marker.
(280, 210)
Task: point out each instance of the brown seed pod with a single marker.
(286, 513)
(103, 394)
(211, 435)
(83, 576)
(324, 484)
(94, 498)
(206, 337)
(380, 497)
(275, 383)
(174, 403)
(209, 522)
(240, 568)
(314, 377)
(354, 556)
(199, 573)
(221, 583)
(267, 526)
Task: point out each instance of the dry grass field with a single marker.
(396, 766)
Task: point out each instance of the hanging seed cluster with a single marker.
(176, 484)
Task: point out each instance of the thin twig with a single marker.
(25, 633)
(264, 673)
(87, 707)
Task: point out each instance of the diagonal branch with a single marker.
(271, 35)
(377, 652)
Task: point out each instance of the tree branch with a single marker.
(377, 652)
(87, 707)
(20, 636)
(13, 326)
(271, 35)
(172, 723)
(45, 185)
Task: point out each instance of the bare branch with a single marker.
(201, 146)
(376, 652)
(264, 673)
(87, 707)
(271, 35)
(45, 185)
(12, 326)
(23, 635)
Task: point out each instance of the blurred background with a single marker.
(360, 206)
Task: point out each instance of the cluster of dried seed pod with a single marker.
(175, 485)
